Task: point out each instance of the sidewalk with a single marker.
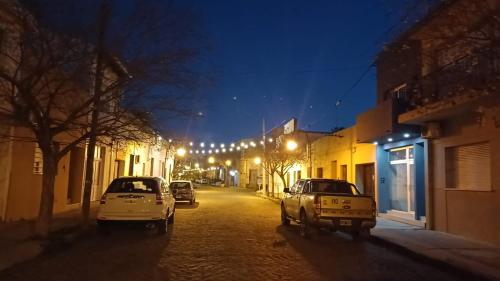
(478, 258)
(16, 238)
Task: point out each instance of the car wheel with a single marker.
(305, 228)
(162, 226)
(191, 202)
(284, 219)
(360, 234)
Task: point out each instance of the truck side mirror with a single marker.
(286, 190)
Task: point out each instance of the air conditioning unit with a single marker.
(431, 130)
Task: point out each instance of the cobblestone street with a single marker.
(226, 235)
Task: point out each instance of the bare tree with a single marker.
(278, 160)
(50, 68)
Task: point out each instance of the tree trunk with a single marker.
(272, 185)
(44, 221)
(282, 177)
(89, 174)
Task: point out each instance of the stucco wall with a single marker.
(472, 214)
(343, 148)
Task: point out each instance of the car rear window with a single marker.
(334, 187)
(133, 186)
(180, 185)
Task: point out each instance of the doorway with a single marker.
(402, 179)
(365, 178)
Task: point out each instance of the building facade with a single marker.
(436, 122)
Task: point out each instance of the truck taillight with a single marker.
(317, 204)
(159, 200)
(103, 199)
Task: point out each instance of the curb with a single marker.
(272, 199)
(448, 267)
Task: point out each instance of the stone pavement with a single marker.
(17, 241)
(476, 257)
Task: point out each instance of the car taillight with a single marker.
(159, 200)
(103, 199)
(317, 204)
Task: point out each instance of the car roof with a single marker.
(139, 177)
(180, 181)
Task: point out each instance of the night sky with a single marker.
(281, 59)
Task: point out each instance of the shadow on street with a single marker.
(186, 205)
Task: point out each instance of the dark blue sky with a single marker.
(281, 59)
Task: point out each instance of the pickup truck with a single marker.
(336, 204)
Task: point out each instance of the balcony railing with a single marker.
(472, 72)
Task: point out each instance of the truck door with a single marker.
(294, 203)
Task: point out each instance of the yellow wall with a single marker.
(343, 148)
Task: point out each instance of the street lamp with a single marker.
(211, 160)
(228, 162)
(291, 145)
(257, 160)
(181, 152)
(197, 165)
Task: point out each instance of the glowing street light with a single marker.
(270, 140)
(202, 144)
(217, 151)
(203, 152)
(212, 145)
(181, 152)
(190, 143)
(211, 160)
(197, 165)
(291, 145)
(238, 148)
(228, 162)
(222, 145)
(223, 150)
(257, 160)
(209, 151)
(231, 149)
(232, 144)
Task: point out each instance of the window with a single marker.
(38, 161)
(299, 175)
(133, 186)
(343, 172)
(319, 173)
(334, 187)
(468, 167)
(151, 168)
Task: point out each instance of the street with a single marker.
(226, 235)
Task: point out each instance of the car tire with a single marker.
(360, 234)
(305, 228)
(284, 218)
(162, 226)
(191, 202)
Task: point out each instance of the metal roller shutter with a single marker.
(468, 167)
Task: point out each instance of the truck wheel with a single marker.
(360, 234)
(305, 228)
(284, 219)
(162, 226)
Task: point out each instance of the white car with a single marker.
(183, 190)
(137, 199)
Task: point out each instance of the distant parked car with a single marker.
(183, 190)
(139, 199)
(203, 181)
